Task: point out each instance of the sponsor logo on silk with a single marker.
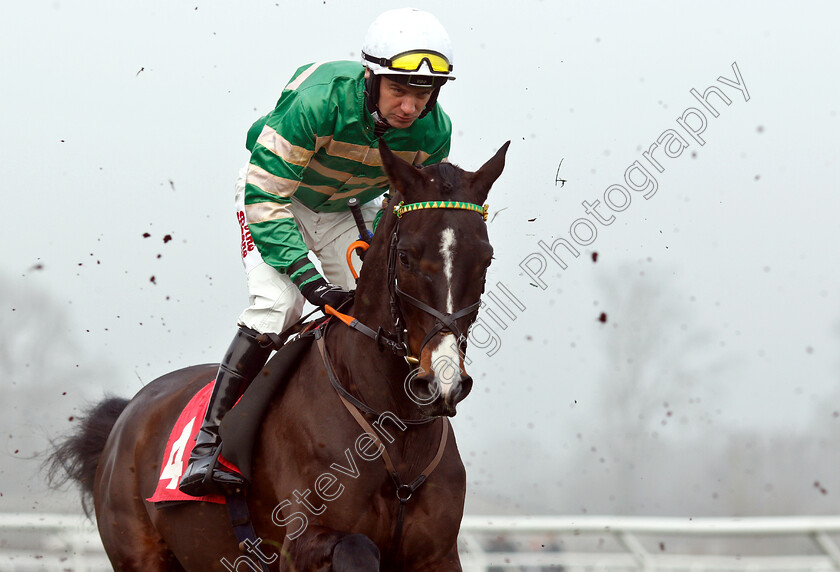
(247, 241)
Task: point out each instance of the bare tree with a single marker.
(659, 370)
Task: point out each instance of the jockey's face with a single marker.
(401, 105)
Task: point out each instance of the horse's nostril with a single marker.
(422, 390)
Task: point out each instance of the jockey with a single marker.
(313, 152)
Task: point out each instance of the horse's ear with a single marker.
(403, 175)
(484, 178)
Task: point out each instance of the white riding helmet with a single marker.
(410, 43)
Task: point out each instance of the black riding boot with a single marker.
(243, 360)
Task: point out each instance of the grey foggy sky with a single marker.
(127, 118)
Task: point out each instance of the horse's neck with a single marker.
(377, 379)
(375, 376)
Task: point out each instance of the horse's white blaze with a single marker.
(446, 364)
(445, 359)
(447, 251)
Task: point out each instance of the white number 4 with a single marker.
(175, 465)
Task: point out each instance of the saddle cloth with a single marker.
(239, 428)
(177, 453)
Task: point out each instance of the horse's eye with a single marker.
(403, 258)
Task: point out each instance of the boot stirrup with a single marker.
(207, 480)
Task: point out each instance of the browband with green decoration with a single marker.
(403, 208)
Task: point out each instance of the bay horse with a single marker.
(419, 290)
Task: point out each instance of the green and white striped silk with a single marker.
(318, 146)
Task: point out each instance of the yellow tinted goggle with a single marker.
(412, 60)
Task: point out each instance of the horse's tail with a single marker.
(76, 456)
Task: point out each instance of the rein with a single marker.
(398, 344)
(346, 396)
(404, 491)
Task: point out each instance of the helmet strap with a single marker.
(430, 105)
(372, 92)
(371, 102)
(380, 125)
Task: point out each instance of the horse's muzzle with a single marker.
(436, 397)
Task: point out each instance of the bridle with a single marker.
(445, 322)
(398, 343)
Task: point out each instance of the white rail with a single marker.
(50, 542)
(610, 543)
(38, 542)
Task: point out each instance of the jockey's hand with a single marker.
(319, 292)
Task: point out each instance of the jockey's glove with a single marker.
(319, 292)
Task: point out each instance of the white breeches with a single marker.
(275, 302)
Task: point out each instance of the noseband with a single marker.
(444, 322)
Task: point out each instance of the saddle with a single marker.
(239, 427)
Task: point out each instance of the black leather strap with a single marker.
(319, 340)
(442, 321)
(240, 519)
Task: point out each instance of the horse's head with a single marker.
(438, 261)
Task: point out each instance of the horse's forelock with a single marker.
(448, 177)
